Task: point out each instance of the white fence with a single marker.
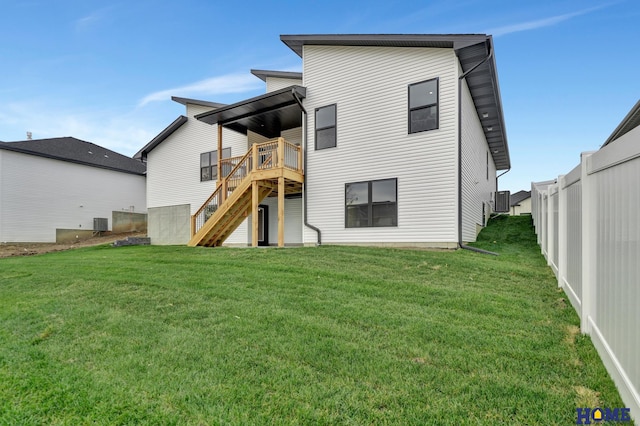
(588, 228)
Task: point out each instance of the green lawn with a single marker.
(327, 335)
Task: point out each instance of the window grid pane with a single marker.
(204, 160)
(326, 138)
(424, 119)
(326, 117)
(205, 173)
(423, 94)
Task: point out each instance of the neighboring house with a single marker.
(381, 140)
(520, 203)
(49, 185)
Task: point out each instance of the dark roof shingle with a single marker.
(519, 197)
(77, 151)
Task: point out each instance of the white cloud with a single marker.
(121, 131)
(124, 130)
(90, 21)
(540, 23)
(230, 83)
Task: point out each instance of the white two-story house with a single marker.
(380, 140)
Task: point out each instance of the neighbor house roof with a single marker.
(77, 151)
(142, 154)
(519, 197)
(471, 50)
(263, 74)
(630, 122)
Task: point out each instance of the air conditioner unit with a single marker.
(503, 202)
(100, 224)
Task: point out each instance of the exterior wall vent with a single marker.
(503, 201)
(100, 224)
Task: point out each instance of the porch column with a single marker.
(254, 213)
(219, 164)
(281, 211)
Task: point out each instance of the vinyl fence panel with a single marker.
(588, 227)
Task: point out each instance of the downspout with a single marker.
(304, 184)
(462, 77)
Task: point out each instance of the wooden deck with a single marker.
(270, 168)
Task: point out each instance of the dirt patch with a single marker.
(29, 249)
(572, 332)
(586, 397)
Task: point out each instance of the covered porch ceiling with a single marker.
(267, 115)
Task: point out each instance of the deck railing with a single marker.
(276, 153)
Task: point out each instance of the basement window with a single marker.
(423, 106)
(371, 204)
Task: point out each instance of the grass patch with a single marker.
(327, 335)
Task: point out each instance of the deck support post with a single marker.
(281, 211)
(254, 213)
(219, 159)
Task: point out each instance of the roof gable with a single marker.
(168, 131)
(77, 151)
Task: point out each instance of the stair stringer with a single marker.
(229, 215)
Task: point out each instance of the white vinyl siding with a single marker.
(523, 207)
(477, 189)
(38, 195)
(293, 136)
(173, 167)
(292, 221)
(369, 85)
(276, 83)
(193, 110)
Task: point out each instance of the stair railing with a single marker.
(261, 156)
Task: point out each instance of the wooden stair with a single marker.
(233, 200)
(228, 216)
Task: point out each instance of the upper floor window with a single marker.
(326, 127)
(209, 164)
(372, 203)
(423, 106)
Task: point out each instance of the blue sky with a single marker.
(105, 71)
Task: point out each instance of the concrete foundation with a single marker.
(170, 225)
(128, 222)
(407, 245)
